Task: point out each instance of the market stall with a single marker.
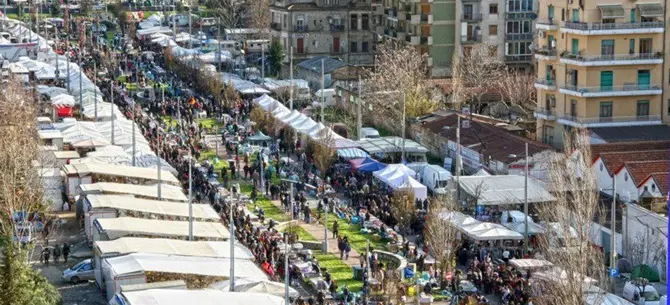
(399, 176)
(113, 228)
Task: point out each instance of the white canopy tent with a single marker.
(520, 227)
(504, 189)
(256, 286)
(500, 233)
(63, 99)
(530, 264)
(200, 297)
(400, 176)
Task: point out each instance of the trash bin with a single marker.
(358, 273)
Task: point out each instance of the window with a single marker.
(631, 46)
(493, 30)
(364, 47)
(353, 47)
(643, 79)
(365, 18)
(353, 22)
(645, 46)
(468, 11)
(573, 108)
(550, 12)
(575, 15)
(607, 47)
(493, 9)
(605, 111)
(643, 108)
(606, 80)
(575, 46)
(632, 15)
(547, 134)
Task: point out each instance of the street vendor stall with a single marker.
(399, 176)
(113, 228)
(200, 297)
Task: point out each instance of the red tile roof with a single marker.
(614, 160)
(488, 140)
(598, 149)
(640, 170)
(661, 181)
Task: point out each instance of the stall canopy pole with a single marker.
(158, 159)
(190, 196)
(290, 99)
(359, 121)
(286, 274)
(525, 203)
(111, 108)
(232, 240)
(95, 91)
(323, 82)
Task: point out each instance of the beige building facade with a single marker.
(599, 64)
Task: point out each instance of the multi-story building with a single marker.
(599, 65)
(519, 18)
(427, 24)
(481, 21)
(335, 28)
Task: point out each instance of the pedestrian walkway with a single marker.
(313, 228)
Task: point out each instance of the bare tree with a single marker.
(403, 206)
(441, 236)
(258, 12)
(474, 73)
(579, 268)
(228, 12)
(517, 88)
(400, 69)
(323, 151)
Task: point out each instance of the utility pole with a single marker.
(525, 204)
(290, 99)
(402, 155)
(613, 226)
(287, 280)
(458, 158)
(95, 91)
(218, 40)
(134, 146)
(190, 195)
(158, 158)
(111, 108)
(232, 240)
(261, 163)
(323, 82)
(359, 121)
(262, 63)
(81, 96)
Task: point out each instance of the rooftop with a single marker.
(598, 149)
(486, 139)
(640, 170)
(632, 133)
(614, 160)
(390, 145)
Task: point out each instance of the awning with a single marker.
(611, 11)
(64, 111)
(351, 153)
(650, 9)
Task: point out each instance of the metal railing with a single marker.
(545, 81)
(587, 26)
(608, 57)
(624, 88)
(546, 21)
(544, 110)
(472, 17)
(337, 27)
(611, 119)
(546, 51)
(519, 36)
(518, 58)
(520, 15)
(301, 28)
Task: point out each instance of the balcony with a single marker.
(275, 26)
(617, 121)
(606, 91)
(521, 36)
(471, 17)
(546, 84)
(520, 15)
(471, 39)
(545, 53)
(597, 28)
(612, 60)
(544, 113)
(413, 40)
(518, 59)
(337, 27)
(546, 24)
(390, 32)
(300, 28)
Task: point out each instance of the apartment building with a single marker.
(600, 64)
(335, 28)
(430, 25)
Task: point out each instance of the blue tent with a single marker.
(370, 165)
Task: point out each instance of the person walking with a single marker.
(66, 251)
(46, 253)
(340, 246)
(56, 254)
(347, 248)
(336, 229)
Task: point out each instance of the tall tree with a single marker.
(259, 17)
(228, 12)
(441, 236)
(578, 265)
(275, 56)
(517, 88)
(400, 69)
(475, 71)
(20, 195)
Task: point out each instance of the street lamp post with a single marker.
(525, 199)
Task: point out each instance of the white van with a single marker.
(513, 217)
(634, 294)
(327, 96)
(369, 133)
(435, 178)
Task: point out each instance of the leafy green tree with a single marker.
(20, 284)
(275, 56)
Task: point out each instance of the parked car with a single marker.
(635, 294)
(83, 271)
(370, 133)
(205, 22)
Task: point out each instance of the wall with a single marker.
(646, 237)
